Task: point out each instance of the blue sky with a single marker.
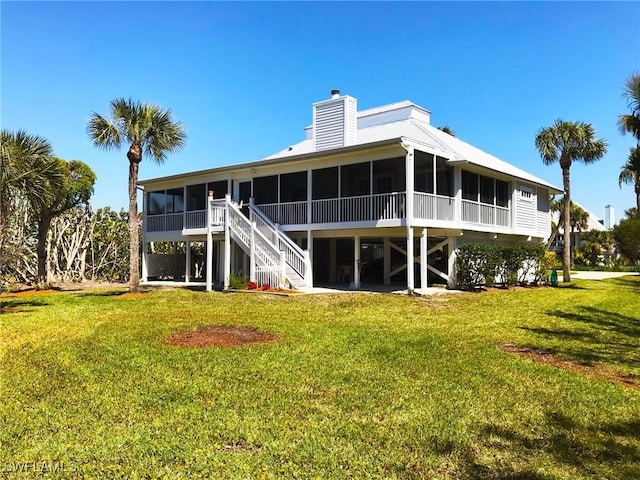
(242, 76)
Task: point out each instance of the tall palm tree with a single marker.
(630, 173)
(566, 142)
(631, 122)
(28, 170)
(145, 129)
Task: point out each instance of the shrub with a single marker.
(252, 286)
(237, 281)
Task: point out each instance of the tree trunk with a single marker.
(566, 262)
(134, 275)
(638, 197)
(44, 223)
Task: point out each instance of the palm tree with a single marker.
(447, 129)
(630, 173)
(631, 122)
(145, 129)
(632, 212)
(566, 142)
(28, 170)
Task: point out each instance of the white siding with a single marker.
(525, 208)
(542, 213)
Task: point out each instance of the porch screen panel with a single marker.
(486, 190)
(156, 202)
(502, 193)
(423, 172)
(196, 197)
(324, 183)
(389, 175)
(219, 189)
(293, 187)
(469, 186)
(175, 200)
(265, 190)
(444, 177)
(355, 180)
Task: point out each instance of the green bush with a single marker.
(479, 264)
(237, 281)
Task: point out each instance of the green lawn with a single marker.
(354, 386)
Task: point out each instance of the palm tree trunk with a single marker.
(638, 196)
(44, 223)
(566, 263)
(134, 275)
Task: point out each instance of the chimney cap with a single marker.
(335, 93)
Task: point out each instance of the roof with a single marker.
(420, 132)
(400, 122)
(593, 222)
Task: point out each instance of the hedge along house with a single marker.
(377, 196)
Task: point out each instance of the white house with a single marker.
(377, 196)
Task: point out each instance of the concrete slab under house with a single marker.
(376, 198)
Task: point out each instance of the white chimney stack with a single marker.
(335, 122)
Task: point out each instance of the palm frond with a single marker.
(103, 133)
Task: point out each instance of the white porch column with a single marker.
(187, 268)
(309, 275)
(409, 168)
(252, 256)
(424, 256)
(209, 259)
(452, 244)
(410, 262)
(386, 252)
(356, 261)
(145, 252)
(457, 191)
(227, 243)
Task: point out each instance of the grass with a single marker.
(355, 386)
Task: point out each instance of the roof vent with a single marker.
(335, 122)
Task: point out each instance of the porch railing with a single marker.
(475, 212)
(433, 207)
(163, 223)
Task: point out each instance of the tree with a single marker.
(627, 237)
(632, 212)
(566, 142)
(447, 129)
(27, 170)
(630, 173)
(146, 129)
(631, 122)
(75, 189)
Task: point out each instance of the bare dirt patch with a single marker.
(219, 336)
(598, 371)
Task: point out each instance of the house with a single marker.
(376, 196)
(592, 223)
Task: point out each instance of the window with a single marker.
(196, 197)
(469, 186)
(502, 193)
(486, 190)
(265, 190)
(324, 183)
(354, 180)
(293, 187)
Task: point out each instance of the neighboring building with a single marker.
(593, 223)
(377, 196)
(609, 217)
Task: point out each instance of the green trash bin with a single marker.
(553, 278)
